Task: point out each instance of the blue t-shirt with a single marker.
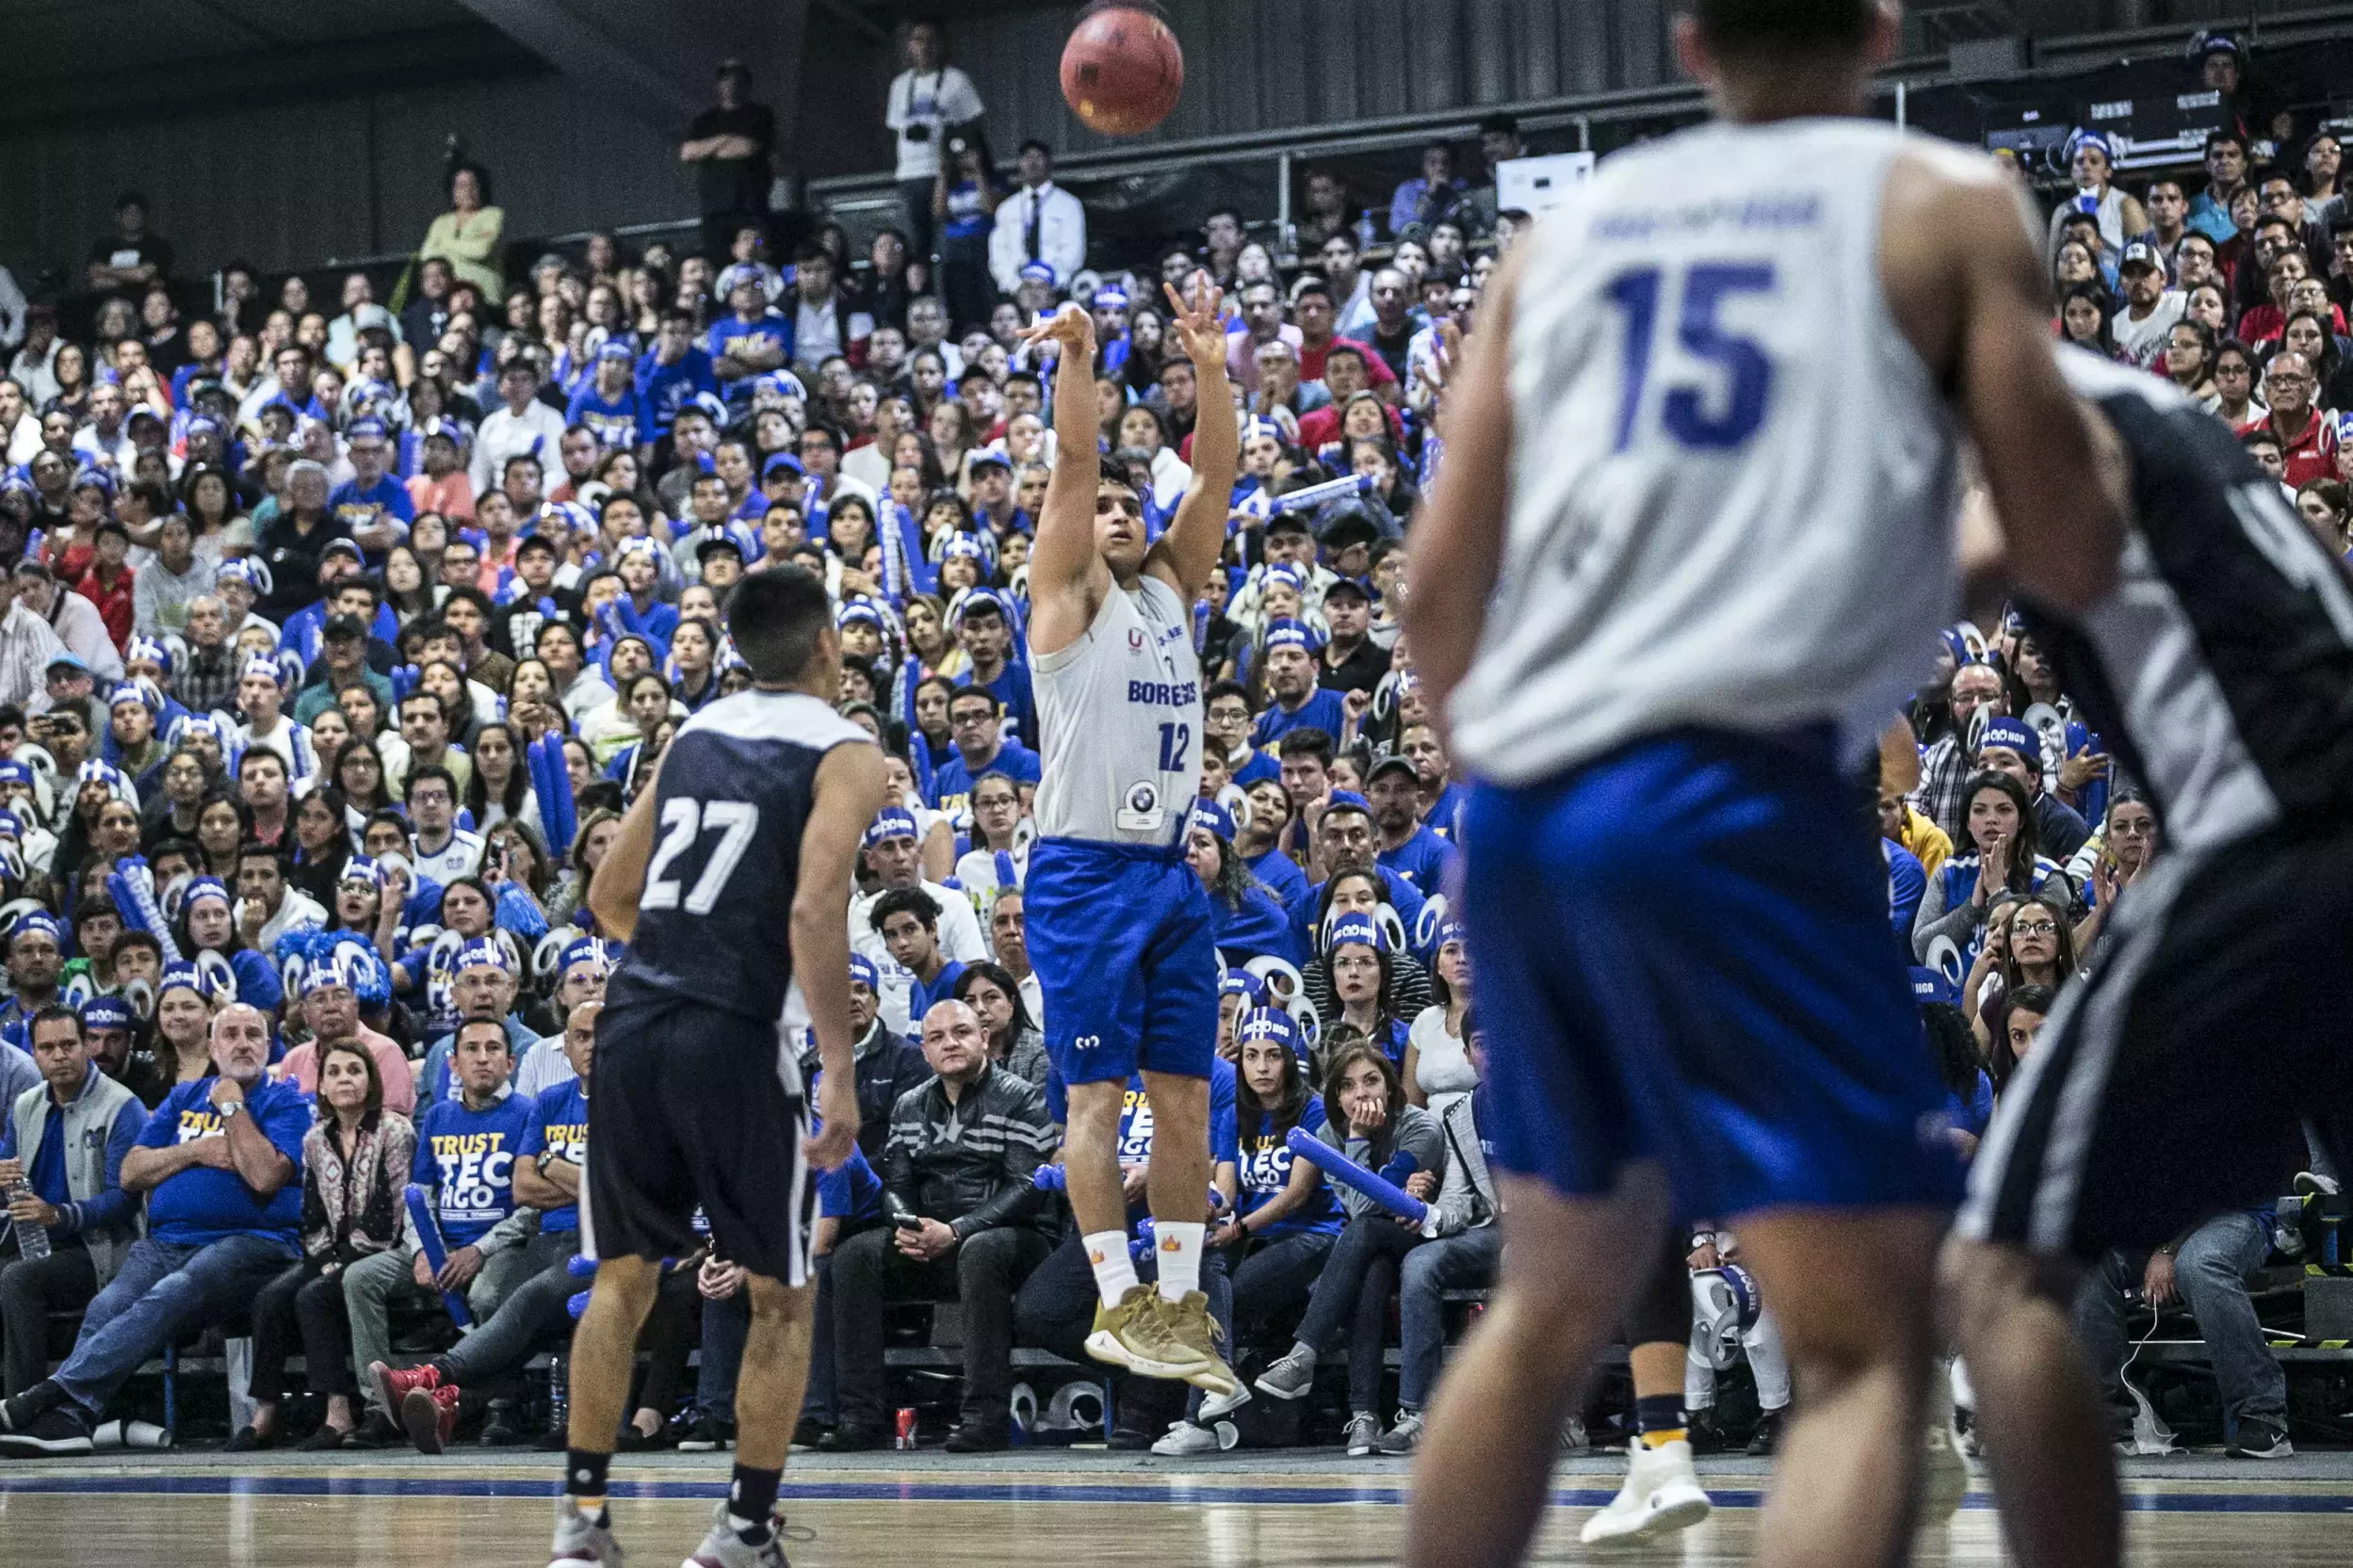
(467, 1158)
(668, 388)
(617, 423)
(1282, 874)
(1422, 859)
(952, 780)
(356, 507)
(1265, 1160)
(1260, 765)
(771, 326)
(1320, 711)
(201, 1204)
(1971, 1114)
(1445, 813)
(560, 1123)
(1135, 1113)
(851, 1192)
(1011, 687)
(1258, 930)
(1906, 882)
(922, 997)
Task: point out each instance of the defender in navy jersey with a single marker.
(1119, 929)
(697, 1103)
(1665, 595)
(2175, 1082)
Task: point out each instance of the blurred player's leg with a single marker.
(603, 1353)
(1851, 1290)
(1661, 1494)
(768, 1386)
(2038, 1408)
(1485, 1466)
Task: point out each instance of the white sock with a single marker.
(1180, 1259)
(1115, 1271)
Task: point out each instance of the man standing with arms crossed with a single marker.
(1119, 930)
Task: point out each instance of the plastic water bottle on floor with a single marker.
(558, 1394)
(31, 1240)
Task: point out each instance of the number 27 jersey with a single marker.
(1119, 715)
(1732, 482)
(737, 787)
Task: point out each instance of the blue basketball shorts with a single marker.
(1125, 948)
(1683, 955)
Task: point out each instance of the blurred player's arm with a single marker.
(851, 788)
(1458, 544)
(1978, 310)
(1188, 552)
(1068, 577)
(620, 879)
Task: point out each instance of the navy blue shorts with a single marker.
(1125, 948)
(1683, 955)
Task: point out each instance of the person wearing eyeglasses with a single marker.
(2307, 437)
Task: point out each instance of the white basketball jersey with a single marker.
(1733, 482)
(1120, 709)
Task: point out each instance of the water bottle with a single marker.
(31, 1240)
(1366, 231)
(559, 1395)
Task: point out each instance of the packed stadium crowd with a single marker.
(338, 639)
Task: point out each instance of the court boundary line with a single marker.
(815, 1489)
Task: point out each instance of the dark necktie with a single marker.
(1029, 235)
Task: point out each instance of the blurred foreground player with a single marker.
(698, 1101)
(2220, 674)
(1119, 930)
(1709, 586)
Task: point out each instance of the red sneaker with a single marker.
(430, 1416)
(393, 1386)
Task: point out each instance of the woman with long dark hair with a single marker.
(358, 774)
(207, 924)
(1249, 920)
(694, 649)
(356, 1161)
(2130, 837)
(1015, 1042)
(1368, 1119)
(322, 842)
(500, 786)
(1438, 1069)
(2000, 849)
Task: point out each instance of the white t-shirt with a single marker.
(2144, 342)
(935, 100)
(1441, 1066)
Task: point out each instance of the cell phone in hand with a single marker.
(907, 1221)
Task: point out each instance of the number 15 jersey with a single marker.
(1732, 480)
(1120, 716)
(737, 785)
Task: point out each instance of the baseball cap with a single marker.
(986, 457)
(2140, 254)
(2013, 736)
(342, 547)
(1346, 799)
(65, 659)
(1392, 763)
(1351, 586)
(782, 463)
(716, 542)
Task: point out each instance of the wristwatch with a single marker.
(232, 1108)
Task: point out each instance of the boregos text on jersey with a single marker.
(1120, 709)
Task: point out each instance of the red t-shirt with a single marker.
(2312, 456)
(113, 601)
(1311, 361)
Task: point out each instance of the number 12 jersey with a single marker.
(1732, 480)
(737, 787)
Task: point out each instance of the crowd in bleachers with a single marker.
(340, 634)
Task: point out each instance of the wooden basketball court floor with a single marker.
(1046, 1507)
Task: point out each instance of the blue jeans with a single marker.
(163, 1291)
(2210, 1270)
(1431, 1269)
(1353, 1292)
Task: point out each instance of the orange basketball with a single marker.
(1122, 70)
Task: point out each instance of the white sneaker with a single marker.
(1662, 1495)
(1187, 1441)
(1944, 1480)
(581, 1540)
(1214, 1407)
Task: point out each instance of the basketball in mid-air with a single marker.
(1122, 70)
